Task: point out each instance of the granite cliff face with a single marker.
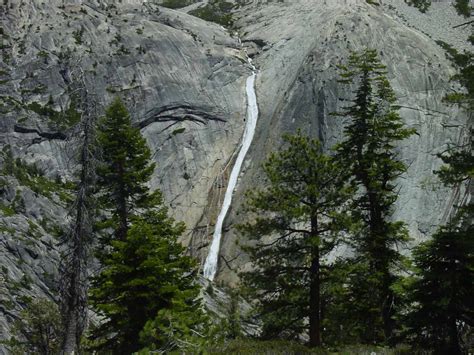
(297, 55)
(182, 78)
(184, 81)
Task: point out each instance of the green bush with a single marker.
(463, 7)
(176, 4)
(422, 5)
(38, 329)
(7, 210)
(217, 11)
(278, 347)
(178, 131)
(275, 347)
(61, 120)
(31, 176)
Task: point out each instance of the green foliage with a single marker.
(58, 119)
(231, 326)
(218, 11)
(181, 327)
(178, 131)
(459, 165)
(368, 153)
(299, 220)
(43, 55)
(9, 103)
(279, 347)
(6, 229)
(440, 309)
(29, 175)
(255, 347)
(422, 5)
(463, 7)
(7, 211)
(41, 110)
(18, 203)
(441, 301)
(38, 329)
(373, 2)
(125, 169)
(143, 290)
(465, 65)
(227, 326)
(70, 117)
(77, 35)
(442, 292)
(146, 290)
(176, 4)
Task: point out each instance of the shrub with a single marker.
(217, 11)
(176, 4)
(38, 329)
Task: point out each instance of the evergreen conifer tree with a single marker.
(145, 279)
(441, 307)
(442, 293)
(299, 222)
(126, 168)
(37, 329)
(368, 153)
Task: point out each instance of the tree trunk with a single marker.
(73, 285)
(70, 336)
(453, 347)
(314, 292)
(379, 264)
(76, 268)
(315, 303)
(387, 312)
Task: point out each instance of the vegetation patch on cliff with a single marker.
(217, 11)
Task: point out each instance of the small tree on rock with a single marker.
(38, 329)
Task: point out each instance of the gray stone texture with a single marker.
(184, 82)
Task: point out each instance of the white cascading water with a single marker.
(210, 266)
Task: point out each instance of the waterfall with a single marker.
(210, 266)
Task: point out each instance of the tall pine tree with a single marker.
(298, 223)
(368, 153)
(442, 303)
(126, 168)
(442, 292)
(145, 279)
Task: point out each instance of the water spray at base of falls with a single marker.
(210, 266)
